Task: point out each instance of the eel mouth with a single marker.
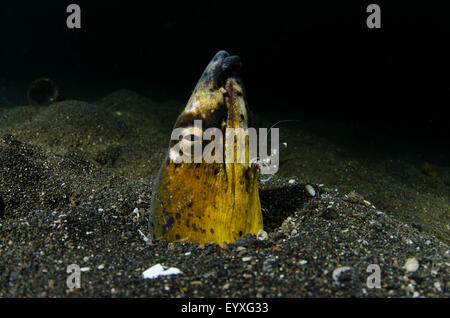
(221, 67)
(208, 101)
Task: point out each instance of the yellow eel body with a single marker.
(202, 201)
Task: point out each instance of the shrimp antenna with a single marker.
(280, 122)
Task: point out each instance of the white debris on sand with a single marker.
(159, 270)
(143, 236)
(338, 271)
(262, 235)
(310, 190)
(412, 264)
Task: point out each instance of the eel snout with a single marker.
(220, 68)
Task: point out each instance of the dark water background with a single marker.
(316, 61)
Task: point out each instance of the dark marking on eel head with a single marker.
(168, 225)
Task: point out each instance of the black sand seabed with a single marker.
(76, 183)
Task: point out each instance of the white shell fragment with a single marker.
(437, 285)
(310, 190)
(412, 264)
(262, 235)
(143, 236)
(159, 270)
(338, 271)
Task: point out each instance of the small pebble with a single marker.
(262, 235)
(411, 264)
(196, 282)
(310, 190)
(355, 197)
(437, 285)
(291, 181)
